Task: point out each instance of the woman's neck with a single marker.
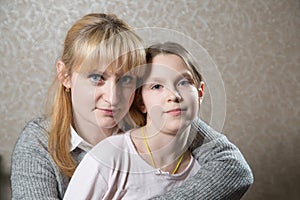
(92, 133)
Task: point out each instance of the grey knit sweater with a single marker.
(224, 172)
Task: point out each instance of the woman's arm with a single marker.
(224, 173)
(32, 174)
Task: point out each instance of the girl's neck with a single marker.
(166, 149)
(166, 142)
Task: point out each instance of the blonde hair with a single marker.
(163, 48)
(92, 40)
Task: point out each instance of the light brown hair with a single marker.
(92, 39)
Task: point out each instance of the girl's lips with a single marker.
(176, 111)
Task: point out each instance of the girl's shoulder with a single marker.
(112, 143)
(117, 146)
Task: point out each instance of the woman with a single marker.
(91, 97)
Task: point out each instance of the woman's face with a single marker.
(100, 99)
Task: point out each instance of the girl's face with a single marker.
(100, 99)
(170, 96)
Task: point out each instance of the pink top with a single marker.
(113, 169)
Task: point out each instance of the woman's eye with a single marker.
(126, 80)
(156, 87)
(96, 78)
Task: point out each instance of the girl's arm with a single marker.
(224, 173)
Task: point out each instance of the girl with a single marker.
(92, 94)
(154, 158)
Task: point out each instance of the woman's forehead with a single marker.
(118, 68)
(103, 64)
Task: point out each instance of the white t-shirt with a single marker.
(113, 169)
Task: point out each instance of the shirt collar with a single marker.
(77, 141)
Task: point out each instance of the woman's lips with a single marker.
(107, 111)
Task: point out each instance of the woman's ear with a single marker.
(201, 92)
(62, 74)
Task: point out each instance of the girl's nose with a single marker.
(174, 95)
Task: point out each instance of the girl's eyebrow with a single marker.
(155, 80)
(187, 74)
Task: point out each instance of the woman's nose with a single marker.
(110, 92)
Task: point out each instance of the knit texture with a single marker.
(224, 172)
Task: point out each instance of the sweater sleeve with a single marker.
(224, 173)
(32, 173)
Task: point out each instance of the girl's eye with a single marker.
(96, 78)
(185, 82)
(156, 87)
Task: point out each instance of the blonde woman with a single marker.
(96, 79)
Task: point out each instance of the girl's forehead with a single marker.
(160, 72)
(168, 63)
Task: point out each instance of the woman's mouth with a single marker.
(107, 111)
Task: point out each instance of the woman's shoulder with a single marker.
(35, 133)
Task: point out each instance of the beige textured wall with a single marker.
(255, 44)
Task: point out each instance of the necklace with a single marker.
(151, 156)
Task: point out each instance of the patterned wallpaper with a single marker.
(254, 48)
